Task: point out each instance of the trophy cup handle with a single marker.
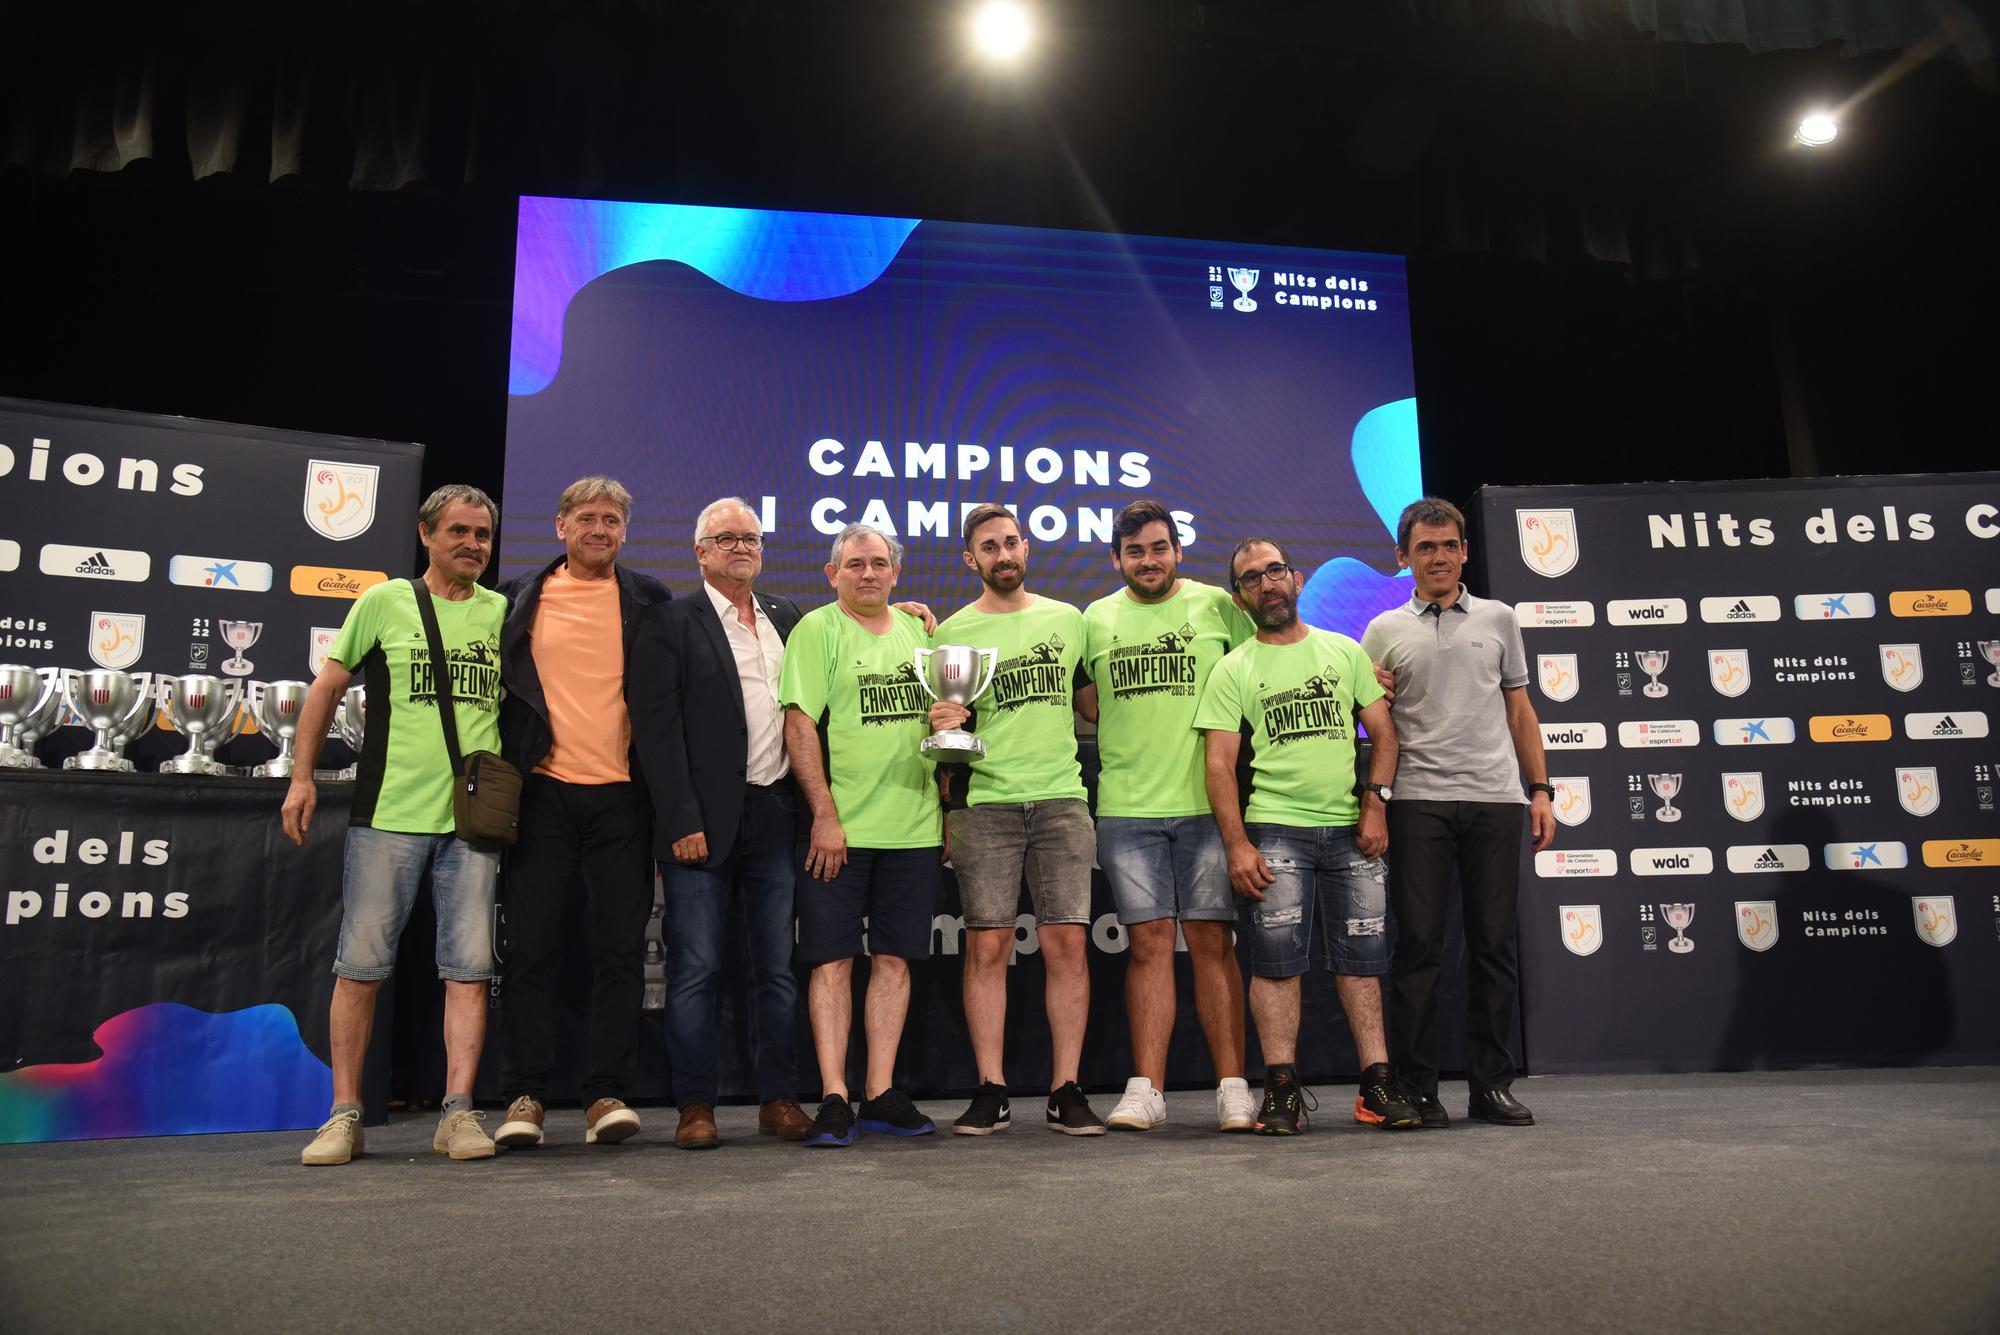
(923, 659)
(990, 661)
(143, 699)
(70, 713)
(51, 683)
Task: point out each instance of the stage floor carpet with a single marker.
(1801, 1201)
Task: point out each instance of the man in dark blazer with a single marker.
(710, 737)
(566, 722)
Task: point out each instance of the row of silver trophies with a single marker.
(118, 707)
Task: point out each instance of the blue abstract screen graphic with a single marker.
(831, 368)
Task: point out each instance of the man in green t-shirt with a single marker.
(401, 824)
(1304, 845)
(1019, 809)
(855, 715)
(1148, 650)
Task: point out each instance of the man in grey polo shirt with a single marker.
(1469, 737)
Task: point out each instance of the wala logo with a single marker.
(1962, 852)
(1750, 607)
(1930, 603)
(1572, 800)
(1917, 790)
(1567, 864)
(1936, 917)
(1882, 855)
(340, 498)
(1850, 728)
(1729, 670)
(1754, 732)
(1755, 859)
(1548, 540)
(1902, 665)
(1558, 676)
(1646, 611)
(1833, 606)
(1582, 928)
(1743, 794)
(117, 638)
(1757, 923)
(1672, 862)
(1538, 616)
(1944, 727)
(1659, 732)
(1573, 736)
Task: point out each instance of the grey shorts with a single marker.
(1051, 844)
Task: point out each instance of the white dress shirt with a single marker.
(760, 657)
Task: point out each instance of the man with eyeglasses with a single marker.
(1304, 847)
(1469, 735)
(566, 723)
(726, 814)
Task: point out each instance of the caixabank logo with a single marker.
(1833, 606)
(1766, 731)
(1865, 855)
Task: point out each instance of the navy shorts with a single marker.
(888, 893)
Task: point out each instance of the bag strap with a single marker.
(440, 671)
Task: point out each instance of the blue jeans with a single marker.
(759, 871)
(380, 873)
(1166, 867)
(1318, 867)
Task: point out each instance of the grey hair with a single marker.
(427, 514)
(701, 520)
(839, 547)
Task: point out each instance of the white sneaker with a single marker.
(1141, 1109)
(336, 1142)
(1235, 1105)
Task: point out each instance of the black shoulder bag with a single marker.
(486, 792)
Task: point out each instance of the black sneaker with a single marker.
(1069, 1111)
(891, 1113)
(834, 1127)
(1286, 1103)
(1382, 1103)
(988, 1113)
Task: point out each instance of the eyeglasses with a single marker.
(1273, 572)
(730, 542)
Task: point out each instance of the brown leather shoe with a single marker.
(697, 1129)
(608, 1121)
(784, 1119)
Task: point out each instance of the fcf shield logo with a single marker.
(1902, 665)
(1743, 794)
(1582, 928)
(322, 644)
(1757, 923)
(1937, 920)
(1729, 670)
(340, 498)
(117, 638)
(1917, 790)
(1548, 540)
(1559, 676)
(1572, 800)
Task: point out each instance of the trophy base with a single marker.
(102, 762)
(1993, 680)
(281, 768)
(1680, 945)
(952, 745)
(194, 762)
(1668, 814)
(238, 667)
(1653, 691)
(13, 757)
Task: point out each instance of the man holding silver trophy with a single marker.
(1148, 651)
(855, 715)
(402, 823)
(1017, 808)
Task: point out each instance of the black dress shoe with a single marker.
(1500, 1108)
(1429, 1110)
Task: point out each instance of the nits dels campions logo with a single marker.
(1582, 928)
(340, 498)
(1572, 800)
(1548, 541)
(1757, 923)
(1743, 794)
(98, 857)
(117, 639)
(1557, 676)
(1902, 665)
(1936, 919)
(1917, 790)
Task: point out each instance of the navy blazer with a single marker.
(688, 721)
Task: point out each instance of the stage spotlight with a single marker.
(1817, 130)
(1001, 30)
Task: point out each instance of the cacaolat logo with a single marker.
(1930, 603)
(1851, 728)
(332, 582)
(1962, 852)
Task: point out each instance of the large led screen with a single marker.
(897, 371)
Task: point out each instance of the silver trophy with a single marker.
(1243, 280)
(30, 699)
(1664, 787)
(1652, 662)
(276, 705)
(350, 721)
(117, 706)
(1990, 651)
(203, 707)
(955, 674)
(239, 635)
(1678, 916)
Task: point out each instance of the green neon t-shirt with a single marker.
(1150, 662)
(405, 782)
(862, 689)
(1300, 701)
(1024, 716)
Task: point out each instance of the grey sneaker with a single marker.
(459, 1136)
(523, 1128)
(336, 1142)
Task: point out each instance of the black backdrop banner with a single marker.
(1769, 711)
(138, 542)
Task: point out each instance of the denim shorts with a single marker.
(1166, 867)
(380, 874)
(1318, 867)
(1050, 843)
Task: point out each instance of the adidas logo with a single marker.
(1770, 861)
(95, 564)
(1740, 609)
(1947, 727)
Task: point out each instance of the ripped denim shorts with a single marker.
(1319, 869)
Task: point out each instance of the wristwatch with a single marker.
(1381, 790)
(1543, 788)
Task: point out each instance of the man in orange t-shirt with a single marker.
(566, 724)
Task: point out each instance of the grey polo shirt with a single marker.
(1451, 719)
